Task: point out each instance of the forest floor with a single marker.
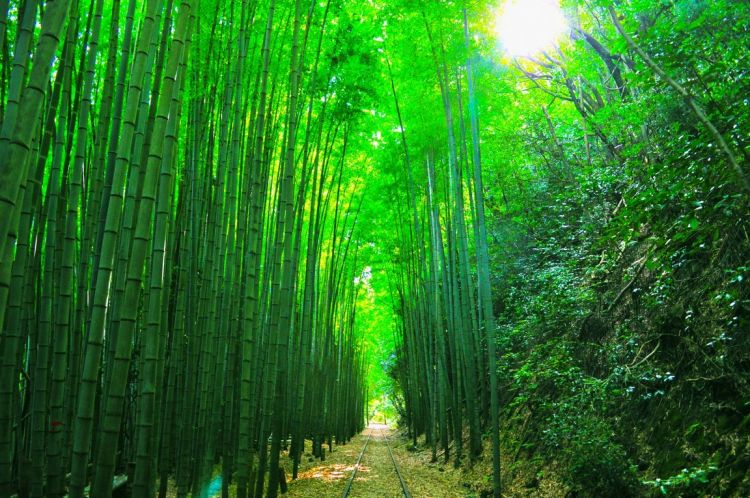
(376, 477)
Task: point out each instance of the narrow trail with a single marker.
(376, 472)
(377, 464)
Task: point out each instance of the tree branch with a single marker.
(689, 99)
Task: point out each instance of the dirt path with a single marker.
(376, 476)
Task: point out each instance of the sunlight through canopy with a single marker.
(526, 27)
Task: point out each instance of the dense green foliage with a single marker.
(228, 227)
(618, 242)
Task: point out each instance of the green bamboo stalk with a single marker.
(14, 156)
(483, 274)
(114, 402)
(83, 428)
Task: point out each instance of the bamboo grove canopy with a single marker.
(230, 229)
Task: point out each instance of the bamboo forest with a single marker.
(374, 248)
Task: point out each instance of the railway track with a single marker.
(398, 471)
(396, 468)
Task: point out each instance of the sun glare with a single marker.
(526, 27)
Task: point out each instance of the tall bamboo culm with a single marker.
(173, 271)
